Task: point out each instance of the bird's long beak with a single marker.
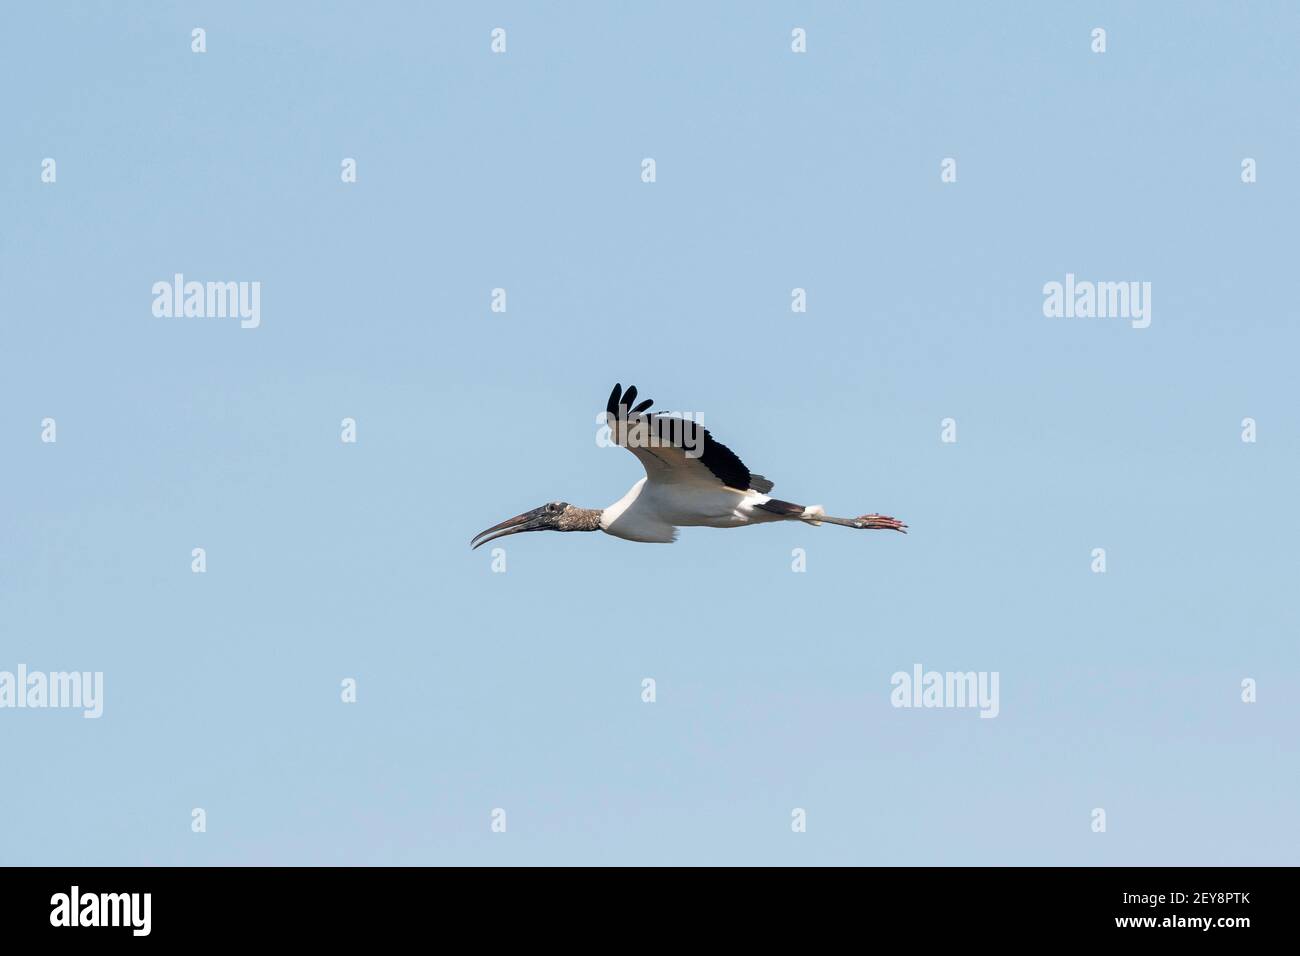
(534, 520)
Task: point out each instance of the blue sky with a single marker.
(522, 690)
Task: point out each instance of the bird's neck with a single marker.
(580, 519)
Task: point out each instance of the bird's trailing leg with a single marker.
(816, 514)
(866, 522)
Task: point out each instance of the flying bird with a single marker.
(690, 481)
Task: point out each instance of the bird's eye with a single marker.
(553, 506)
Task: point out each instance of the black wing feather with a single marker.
(724, 463)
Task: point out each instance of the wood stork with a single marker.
(691, 480)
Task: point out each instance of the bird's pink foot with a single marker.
(881, 523)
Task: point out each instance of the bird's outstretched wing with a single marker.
(675, 450)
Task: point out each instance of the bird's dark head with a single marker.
(553, 516)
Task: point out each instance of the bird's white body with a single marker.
(653, 510)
